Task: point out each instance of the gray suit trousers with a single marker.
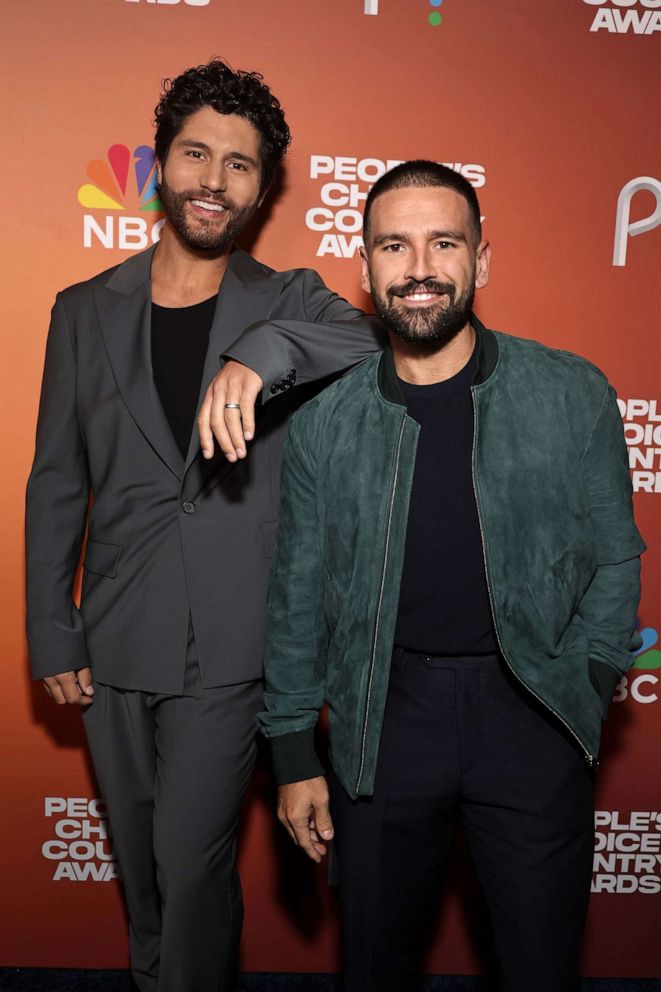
(173, 770)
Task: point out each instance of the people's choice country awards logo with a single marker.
(80, 849)
(626, 16)
(121, 186)
(642, 432)
(625, 228)
(343, 184)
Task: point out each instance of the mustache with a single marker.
(428, 286)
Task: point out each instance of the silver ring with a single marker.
(232, 406)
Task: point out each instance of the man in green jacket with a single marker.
(457, 577)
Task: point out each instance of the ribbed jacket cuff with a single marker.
(294, 757)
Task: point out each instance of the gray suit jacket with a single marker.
(168, 538)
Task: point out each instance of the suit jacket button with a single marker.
(188, 507)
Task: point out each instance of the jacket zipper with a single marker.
(377, 620)
(590, 758)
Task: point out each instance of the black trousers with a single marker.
(173, 771)
(463, 741)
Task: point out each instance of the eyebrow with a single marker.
(202, 146)
(447, 235)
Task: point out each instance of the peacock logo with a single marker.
(640, 684)
(109, 186)
(123, 181)
(648, 656)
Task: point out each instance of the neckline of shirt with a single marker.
(192, 306)
(459, 380)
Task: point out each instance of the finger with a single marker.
(69, 686)
(315, 840)
(234, 427)
(302, 830)
(219, 428)
(85, 681)
(204, 425)
(54, 691)
(47, 687)
(289, 830)
(248, 400)
(323, 823)
(217, 417)
(284, 820)
(85, 687)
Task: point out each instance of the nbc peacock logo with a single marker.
(121, 186)
(648, 655)
(641, 682)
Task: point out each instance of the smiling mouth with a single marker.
(420, 298)
(209, 205)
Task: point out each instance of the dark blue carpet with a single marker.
(46, 980)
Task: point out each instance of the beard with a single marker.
(428, 328)
(203, 234)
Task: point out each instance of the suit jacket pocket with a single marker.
(102, 558)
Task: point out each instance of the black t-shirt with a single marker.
(179, 341)
(444, 601)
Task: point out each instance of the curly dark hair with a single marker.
(242, 93)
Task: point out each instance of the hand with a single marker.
(303, 811)
(71, 687)
(235, 383)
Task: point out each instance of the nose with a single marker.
(214, 178)
(420, 265)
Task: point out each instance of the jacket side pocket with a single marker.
(102, 558)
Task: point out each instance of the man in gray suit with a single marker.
(165, 652)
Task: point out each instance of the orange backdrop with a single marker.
(551, 109)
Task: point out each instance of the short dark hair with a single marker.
(218, 86)
(421, 173)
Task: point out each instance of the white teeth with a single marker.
(207, 205)
(420, 297)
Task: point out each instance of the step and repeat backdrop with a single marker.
(550, 109)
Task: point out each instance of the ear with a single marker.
(482, 263)
(364, 270)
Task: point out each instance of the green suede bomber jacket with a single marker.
(561, 549)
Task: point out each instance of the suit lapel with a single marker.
(247, 295)
(124, 309)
